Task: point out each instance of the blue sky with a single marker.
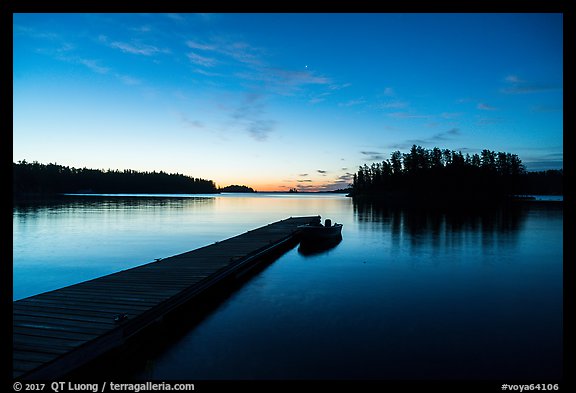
(276, 101)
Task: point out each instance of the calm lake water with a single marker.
(407, 294)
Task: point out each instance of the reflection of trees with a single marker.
(443, 227)
(91, 203)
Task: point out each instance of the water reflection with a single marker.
(307, 249)
(106, 202)
(443, 227)
(68, 239)
(408, 294)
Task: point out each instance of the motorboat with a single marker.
(318, 232)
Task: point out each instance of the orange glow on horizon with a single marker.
(271, 186)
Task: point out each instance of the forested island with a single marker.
(48, 179)
(443, 174)
(236, 188)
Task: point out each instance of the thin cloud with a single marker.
(527, 89)
(95, 66)
(544, 158)
(205, 16)
(484, 121)
(332, 88)
(546, 108)
(201, 46)
(350, 103)
(284, 82)
(485, 107)
(190, 122)
(339, 87)
(400, 146)
(252, 107)
(92, 65)
(306, 187)
(392, 105)
(442, 136)
(66, 53)
(296, 78)
(316, 100)
(520, 86)
(543, 165)
(142, 29)
(513, 79)
(206, 73)
(137, 49)
(465, 100)
(175, 17)
(252, 67)
(260, 129)
(407, 115)
(243, 52)
(128, 80)
(448, 135)
(341, 182)
(249, 116)
(372, 155)
(237, 50)
(35, 33)
(450, 115)
(388, 91)
(201, 60)
(346, 177)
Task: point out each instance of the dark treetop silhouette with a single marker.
(441, 173)
(35, 178)
(236, 188)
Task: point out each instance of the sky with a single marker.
(280, 101)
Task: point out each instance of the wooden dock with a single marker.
(58, 331)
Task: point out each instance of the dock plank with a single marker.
(57, 331)
(49, 322)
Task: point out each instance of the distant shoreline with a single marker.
(38, 195)
(391, 198)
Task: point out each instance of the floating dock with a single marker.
(56, 332)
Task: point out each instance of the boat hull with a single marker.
(319, 232)
(315, 247)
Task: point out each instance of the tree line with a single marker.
(35, 178)
(237, 188)
(447, 172)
